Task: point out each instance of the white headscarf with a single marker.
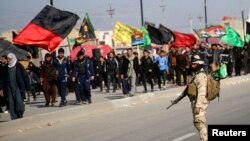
(13, 61)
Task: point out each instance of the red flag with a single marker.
(184, 40)
(48, 29)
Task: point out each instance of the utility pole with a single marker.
(51, 2)
(200, 18)
(163, 7)
(243, 20)
(191, 23)
(111, 11)
(205, 8)
(142, 20)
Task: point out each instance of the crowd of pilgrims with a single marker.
(58, 75)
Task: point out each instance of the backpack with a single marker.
(213, 87)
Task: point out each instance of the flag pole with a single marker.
(243, 25)
(69, 44)
(40, 56)
(138, 50)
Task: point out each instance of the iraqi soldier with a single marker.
(197, 89)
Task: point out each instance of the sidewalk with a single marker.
(38, 106)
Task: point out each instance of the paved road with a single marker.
(148, 122)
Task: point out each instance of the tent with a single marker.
(7, 47)
(87, 48)
(105, 50)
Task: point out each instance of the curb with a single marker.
(57, 117)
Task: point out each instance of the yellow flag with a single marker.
(124, 32)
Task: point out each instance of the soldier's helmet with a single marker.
(196, 59)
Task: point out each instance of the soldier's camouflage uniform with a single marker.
(200, 101)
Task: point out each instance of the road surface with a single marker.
(148, 122)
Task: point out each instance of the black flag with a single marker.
(154, 34)
(167, 34)
(86, 31)
(161, 35)
(248, 32)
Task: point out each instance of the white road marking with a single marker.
(184, 137)
(178, 94)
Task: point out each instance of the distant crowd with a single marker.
(58, 75)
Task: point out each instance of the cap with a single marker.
(196, 60)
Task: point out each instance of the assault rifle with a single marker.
(173, 102)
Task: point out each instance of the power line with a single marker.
(163, 7)
(200, 18)
(111, 11)
(191, 23)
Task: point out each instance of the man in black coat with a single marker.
(100, 73)
(182, 63)
(112, 71)
(3, 97)
(229, 59)
(238, 60)
(146, 71)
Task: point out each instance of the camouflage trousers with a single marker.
(200, 121)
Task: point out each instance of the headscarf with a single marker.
(13, 61)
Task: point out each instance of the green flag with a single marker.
(232, 38)
(248, 38)
(221, 73)
(146, 38)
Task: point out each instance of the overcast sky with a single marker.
(15, 14)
